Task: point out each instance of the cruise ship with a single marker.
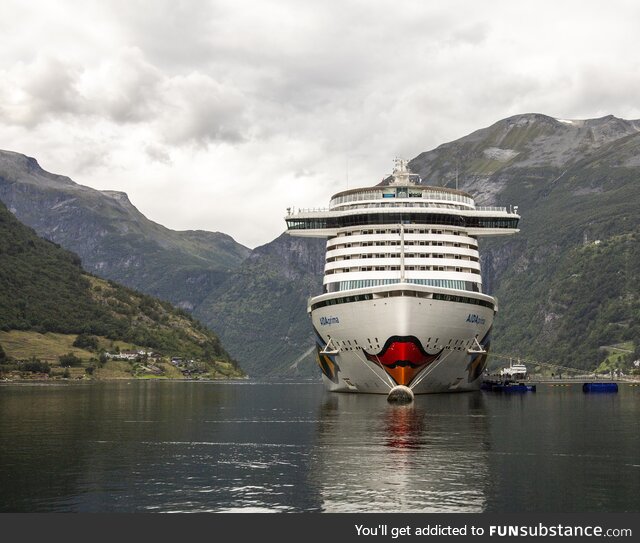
(402, 302)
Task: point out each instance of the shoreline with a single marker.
(115, 379)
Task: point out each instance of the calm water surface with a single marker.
(192, 446)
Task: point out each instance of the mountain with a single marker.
(113, 238)
(255, 300)
(45, 292)
(575, 182)
(567, 282)
(260, 311)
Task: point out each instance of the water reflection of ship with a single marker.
(406, 427)
(431, 456)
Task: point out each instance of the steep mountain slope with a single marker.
(113, 238)
(260, 311)
(576, 184)
(44, 289)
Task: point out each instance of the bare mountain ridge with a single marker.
(522, 141)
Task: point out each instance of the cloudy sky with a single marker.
(219, 114)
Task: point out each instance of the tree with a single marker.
(69, 359)
(35, 366)
(3, 355)
(103, 358)
(86, 341)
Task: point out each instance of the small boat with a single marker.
(507, 386)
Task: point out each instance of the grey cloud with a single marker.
(470, 34)
(38, 91)
(124, 89)
(173, 34)
(199, 110)
(294, 88)
(90, 155)
(593, 87)
(158, 153)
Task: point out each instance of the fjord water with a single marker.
(195, 446)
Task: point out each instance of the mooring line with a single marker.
(390, 385)
(423, 375)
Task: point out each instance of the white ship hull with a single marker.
(410, 339)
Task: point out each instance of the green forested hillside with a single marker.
(571, 306)
(43, 289)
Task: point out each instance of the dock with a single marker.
(589, 385)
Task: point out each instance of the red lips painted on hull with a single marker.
(403, 357)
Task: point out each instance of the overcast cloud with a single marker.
(218, 115)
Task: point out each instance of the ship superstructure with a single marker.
(402, 300)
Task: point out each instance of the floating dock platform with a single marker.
(600, 387)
